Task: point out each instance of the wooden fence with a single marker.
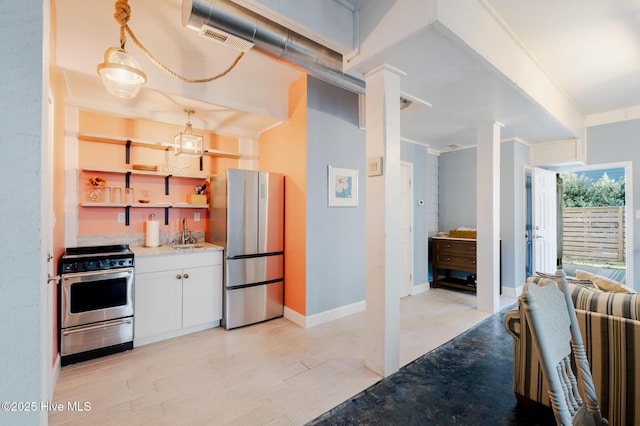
(594, 233)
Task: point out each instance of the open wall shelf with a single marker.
(128, 142)
(128, 172)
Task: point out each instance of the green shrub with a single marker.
(581, 191)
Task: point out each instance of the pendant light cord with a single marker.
(122, 15)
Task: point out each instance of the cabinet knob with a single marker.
(186, 275)
(179, 276)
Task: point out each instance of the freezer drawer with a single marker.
(249, 305)
(254, 270)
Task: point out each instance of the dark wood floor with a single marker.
(466, 381)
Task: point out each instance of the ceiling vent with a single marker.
(227, 39)
(218, 19)
(453, 146)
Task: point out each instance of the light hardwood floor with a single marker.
(274, 373)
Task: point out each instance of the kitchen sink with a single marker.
(187, 246)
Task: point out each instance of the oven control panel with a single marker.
(96, 265)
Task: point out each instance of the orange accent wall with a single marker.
(283, 149)
(97, 220)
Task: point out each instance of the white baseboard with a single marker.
(294, 317)
(420, 288)
(512, 292)
(323, 317)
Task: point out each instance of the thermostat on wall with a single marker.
(374, 166)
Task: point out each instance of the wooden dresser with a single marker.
(456, 254)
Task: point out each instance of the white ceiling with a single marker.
(589, 50)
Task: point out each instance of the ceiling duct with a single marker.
(269, 38)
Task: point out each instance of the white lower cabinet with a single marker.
(176, 295)
(201, 301)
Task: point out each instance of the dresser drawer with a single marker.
(456, 261)
(456, 247)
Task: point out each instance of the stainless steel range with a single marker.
(95, 302)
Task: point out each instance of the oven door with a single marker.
(88, 297)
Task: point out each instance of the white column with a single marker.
(382, 335)
(24, 87)
(488, 217)
(248, 147)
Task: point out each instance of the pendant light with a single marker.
(186, 142)
(120, 72)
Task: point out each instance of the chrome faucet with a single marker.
(186, 234)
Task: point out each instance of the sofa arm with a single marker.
(612, 346)
(512, 323)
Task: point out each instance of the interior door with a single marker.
(544, 221)
(406, 228)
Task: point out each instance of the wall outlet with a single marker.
(196, 217)
(120, 217)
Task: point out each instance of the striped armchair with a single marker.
(610, 327)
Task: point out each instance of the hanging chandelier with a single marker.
(186, 142)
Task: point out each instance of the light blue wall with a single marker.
(432, 190)
(613, 143)
(417, 154)
(457, 189)
(514, 156)
(336, 236)
(457, 202)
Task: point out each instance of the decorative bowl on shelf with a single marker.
(146, 196)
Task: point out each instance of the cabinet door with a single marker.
(158, 303)
(201, 295)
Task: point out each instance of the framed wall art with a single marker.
(343, 187)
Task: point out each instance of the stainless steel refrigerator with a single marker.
(247, 219)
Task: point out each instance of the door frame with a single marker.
(411, 225)
(628, 201)
(47, 223)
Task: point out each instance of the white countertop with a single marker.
(168, 249)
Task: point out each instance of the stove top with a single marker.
(96, 258)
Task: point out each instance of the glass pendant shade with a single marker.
(121, 74)
(186, 142)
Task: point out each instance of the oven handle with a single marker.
(97, 326)
(127, 271)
